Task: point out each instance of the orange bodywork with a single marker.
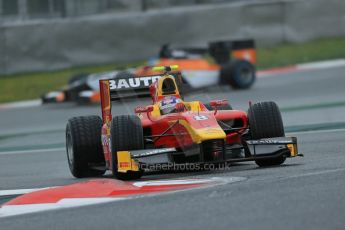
(61, 97)
(96, 97)
(245, 54)
(198, 64)
(189, 64)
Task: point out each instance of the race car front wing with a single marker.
(253, 150)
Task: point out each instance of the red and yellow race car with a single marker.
(172, 132)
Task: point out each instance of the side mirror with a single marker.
(217, 103)
(143, 109)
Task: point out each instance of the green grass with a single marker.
(33, 85)
(289, 54)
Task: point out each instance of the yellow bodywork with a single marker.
(159, 91)
(163, 68)
(125, 162)
(198, 135)
(203, 134)
(193, 106)
(293, 150)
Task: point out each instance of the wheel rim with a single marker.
(246, 74)
(70, 153)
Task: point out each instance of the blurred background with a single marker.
(48, 41)
(29, 9)
(41, 35)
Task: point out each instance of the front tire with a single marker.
(126, 134)
(84, 147)
(265, 121)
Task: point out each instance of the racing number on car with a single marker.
(200, 117)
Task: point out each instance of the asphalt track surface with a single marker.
(304, 193)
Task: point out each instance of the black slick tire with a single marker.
(240, 74)
(126, 134)
(84, 147)
(265, 121)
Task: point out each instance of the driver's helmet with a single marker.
(168, 104)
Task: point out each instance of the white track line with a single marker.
(321, 64)
(32, 151)
(12, 210)
(301, 67)
(21, 104)
(20, 191)
(313, 173)
(171, 182)
(316, 131)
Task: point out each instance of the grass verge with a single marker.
(289, 54)
(33, 85)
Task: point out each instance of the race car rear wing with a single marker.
(114, 89)
(134, 86)
(221, 51)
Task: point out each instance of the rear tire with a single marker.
(265, 121)
(84, 147)
(126, 134)
(239, 74)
